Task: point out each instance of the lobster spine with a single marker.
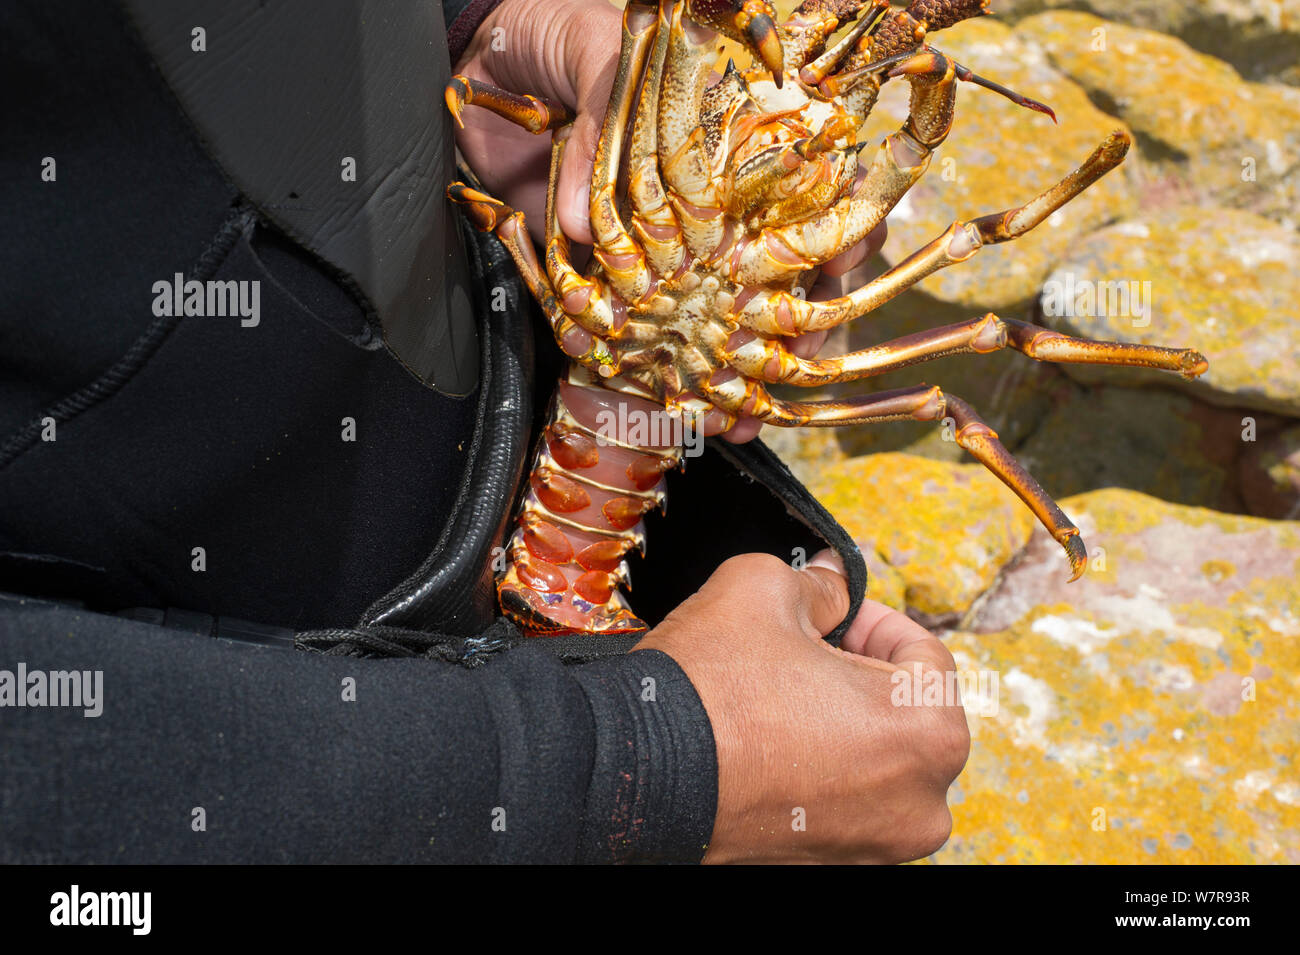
(581, 515)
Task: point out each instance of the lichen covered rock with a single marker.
(946, 529)
(999, 156)
(1218, 280)
(1259, 37)
(1149, 711)
(1229, 141)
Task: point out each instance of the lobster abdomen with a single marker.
(598, 470)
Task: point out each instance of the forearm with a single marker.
(519, 760)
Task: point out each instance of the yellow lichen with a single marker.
(946, 529)
(1136, 740)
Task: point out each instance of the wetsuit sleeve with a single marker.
(463, 18)
(207, 750)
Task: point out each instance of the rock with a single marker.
(1216, 137)
(1258, 37)
(1146, 713)
(1159, 442)
(1270, 475)
(1220, 281)
(946, 529)
(884, 583)
(999, 156)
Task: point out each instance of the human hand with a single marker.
(799, 724)
(567, 51)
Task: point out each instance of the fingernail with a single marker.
(830, 560)
(582, 192)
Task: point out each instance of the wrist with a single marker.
(653, 795)
(732, 723)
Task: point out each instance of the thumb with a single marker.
(593, 68)
(823, 594)
(762, 596)
(573, 193)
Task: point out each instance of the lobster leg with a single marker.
(929, 403)
(682, 160)
(804, 34)
(905, 31)
(653, 220)
(979, 335)
(855, 75)
(533, 114)
(624, 261)
(492, 215)
(686, 71)
(751, 23)
(780, 313)
(688, 133)
(814, 74)
(586, 299)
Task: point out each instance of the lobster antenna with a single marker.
(962, 73)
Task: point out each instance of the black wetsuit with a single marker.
(182, 495)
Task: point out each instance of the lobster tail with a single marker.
(598, 470)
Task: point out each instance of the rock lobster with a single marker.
(737, 190)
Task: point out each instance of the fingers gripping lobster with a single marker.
(737, 191)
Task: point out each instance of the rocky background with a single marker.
(1148, 712)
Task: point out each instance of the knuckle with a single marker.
(948, 743)
(949, 661)
(954, 747)
(762, 573)
(933, 832)
(924, 834)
